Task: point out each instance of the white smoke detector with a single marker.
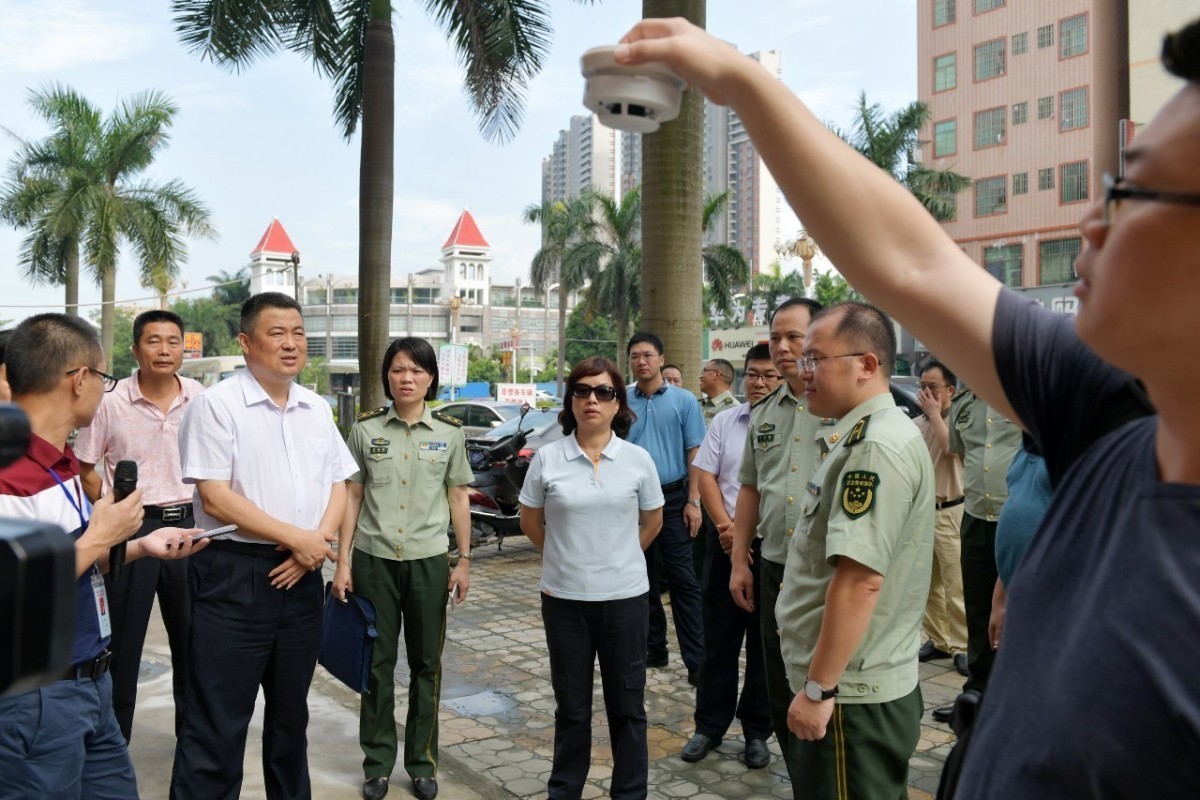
(636, 99)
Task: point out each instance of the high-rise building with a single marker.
(585, 157)
(1029, 100)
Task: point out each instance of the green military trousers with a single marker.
(408, 595)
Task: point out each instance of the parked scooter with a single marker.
(495, 493)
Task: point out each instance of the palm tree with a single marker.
(500, 44)
(612, 258)
(672, 181)
(889, 140)
(563, 223)
(725, 268)
(96, 201)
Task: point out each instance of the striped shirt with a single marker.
(128, 426)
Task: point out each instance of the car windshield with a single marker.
(507, 411)
(537, 421)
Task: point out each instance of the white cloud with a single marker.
(46, 37)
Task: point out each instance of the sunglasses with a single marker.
(604, 393)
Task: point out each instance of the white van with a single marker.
(211, 371)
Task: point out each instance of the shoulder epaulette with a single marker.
(446, 418)
(858, 432)
(960, 393)
(372, 413)
(774, 392)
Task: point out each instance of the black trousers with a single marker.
(725, 628)
(979, 574)
(577, 633)
(247, 634)
(131, 598)
(674, 546)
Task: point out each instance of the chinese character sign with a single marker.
(193, 344)
(452, 365)
(520, 393)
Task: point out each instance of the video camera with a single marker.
(37, 584)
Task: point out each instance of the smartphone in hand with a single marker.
(214, 532)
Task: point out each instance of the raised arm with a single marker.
(881, 239)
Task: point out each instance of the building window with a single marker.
(1004, 263)
(945, 138)
(945, 72)
(429, 324)
(987, 5)
(347, 323)
(1045, 179)
(345, 347)
(1020, 43)
(345, 297)
(1020, 113)
(989, 128)
(989, 60)
(314, 324)
(1073, 109)
(1045, 107)
(1057, 259)
(1073, 182)
(1046, 36)
(399, 295)
(425, 296)
(397, 325)
(315, 297)
(991, 196)
(316, 347)
(1021, 183)
(1073, 36)
(944, 12)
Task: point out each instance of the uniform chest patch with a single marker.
(435, 447)
(766, 427)
(764, 440)
(858, 492)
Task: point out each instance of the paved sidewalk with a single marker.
(497, 717)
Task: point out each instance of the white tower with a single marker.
(272, 262)
(466, 256)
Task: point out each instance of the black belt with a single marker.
(89, 669)
(169, 513)
(948, 504)
(245, 548)
(679, 484)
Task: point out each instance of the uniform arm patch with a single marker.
(858, 492)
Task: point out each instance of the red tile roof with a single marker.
(466, 233)
(274, 240)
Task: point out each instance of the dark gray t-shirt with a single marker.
(1095, 691)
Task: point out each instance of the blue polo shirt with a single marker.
(669, 423)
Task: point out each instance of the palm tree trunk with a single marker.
(562, 334)
(672, 213)
(376, 182)
(108, 293)
(72, 279)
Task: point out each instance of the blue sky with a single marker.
(262, 143)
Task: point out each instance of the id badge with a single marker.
(102, 614)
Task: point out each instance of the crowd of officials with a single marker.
(814, 526)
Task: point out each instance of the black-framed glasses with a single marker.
(762, 377)
(109, 381)
(603, 392)
(809, 363)
(1115, 192)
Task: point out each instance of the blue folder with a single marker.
(348, 639)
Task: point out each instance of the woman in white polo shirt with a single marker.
(592, 504)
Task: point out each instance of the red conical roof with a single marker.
(274, 240)
(465, 234)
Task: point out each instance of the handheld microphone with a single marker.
(125, 479)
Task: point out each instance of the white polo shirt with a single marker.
(720, 453)
(592, 551)
(285, 461)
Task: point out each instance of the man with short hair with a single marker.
(139, 421)
(264, 454)
(858, 568)
(670, 427)
(945, 626)
(673, 375)
(716, 381)
(62, 740)
(725, 625)
(778, 459)
(1094, 691)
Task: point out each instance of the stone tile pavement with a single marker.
(497, 717)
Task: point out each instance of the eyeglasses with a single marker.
(109, 381)
(932, 387)
(762, 377)
(810, 363)
(1115, 192)
(604, 392)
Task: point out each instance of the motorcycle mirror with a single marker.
(524, 410)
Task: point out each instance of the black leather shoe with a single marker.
(375, 788)
(960, 664)
(694, 677)
(928, 652)
(757, 755)
(943, 714)
(697, 748)
(425, 788)
(656, 661)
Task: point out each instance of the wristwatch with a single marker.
(694, 503)
(814, 692)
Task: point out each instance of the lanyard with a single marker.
(74, 503)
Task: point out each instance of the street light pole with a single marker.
(804, 248)
(296, 274)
